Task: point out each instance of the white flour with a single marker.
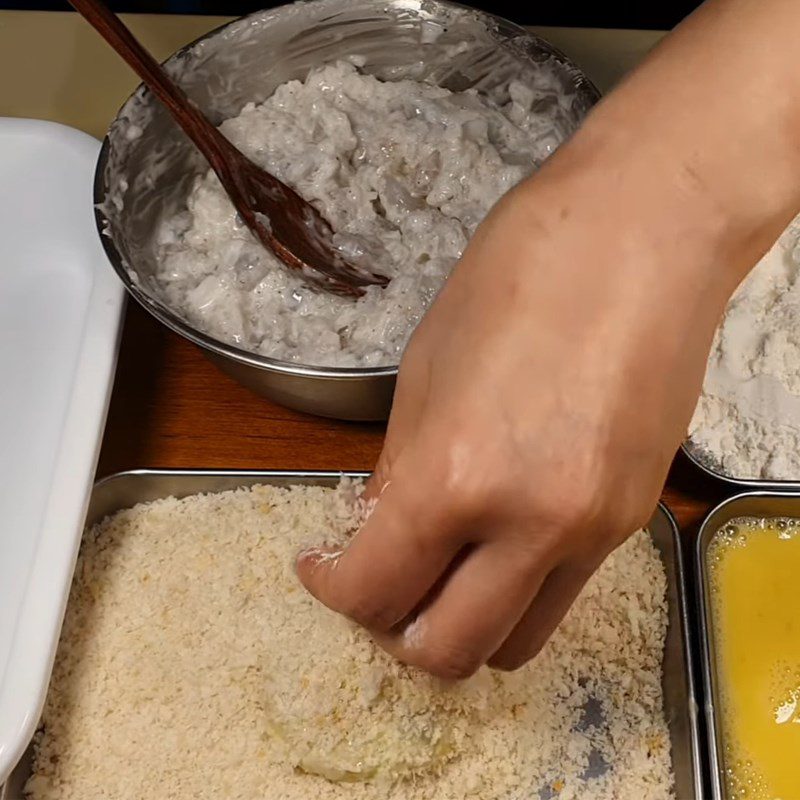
(409, 167)
(747, 422)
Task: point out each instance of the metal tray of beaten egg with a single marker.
(753, 504)
(680, 705)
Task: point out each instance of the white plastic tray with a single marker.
(60, 314)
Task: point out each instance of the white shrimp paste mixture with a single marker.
(407, 168)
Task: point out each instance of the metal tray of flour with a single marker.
(706, 464)
(140, 486)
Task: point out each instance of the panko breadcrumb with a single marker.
(192, 664)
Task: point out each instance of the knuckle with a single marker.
(369, 612)
(465, 493)
(450, 662)
(567, 508)
(462, 492)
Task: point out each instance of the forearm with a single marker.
(701, 143)
(564, 355)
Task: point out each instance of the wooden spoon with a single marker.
(279, 218)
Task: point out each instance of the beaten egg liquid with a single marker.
(754, 572)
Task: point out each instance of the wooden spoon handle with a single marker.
(211, 143)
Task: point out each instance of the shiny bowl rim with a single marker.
(178, 325)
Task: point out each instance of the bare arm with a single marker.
(543, 397)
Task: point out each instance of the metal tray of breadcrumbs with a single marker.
(680, 703)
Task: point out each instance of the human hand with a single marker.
(540, 401)
(538, 407)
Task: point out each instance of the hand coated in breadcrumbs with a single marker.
(193, 665)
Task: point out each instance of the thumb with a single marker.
(391, 563)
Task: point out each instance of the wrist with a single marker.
(700, 143)
(699, 218)
(650, 221)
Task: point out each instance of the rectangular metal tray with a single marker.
(751, 504)
(680, 703)
(748, 484)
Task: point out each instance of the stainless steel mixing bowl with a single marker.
(146, 165)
